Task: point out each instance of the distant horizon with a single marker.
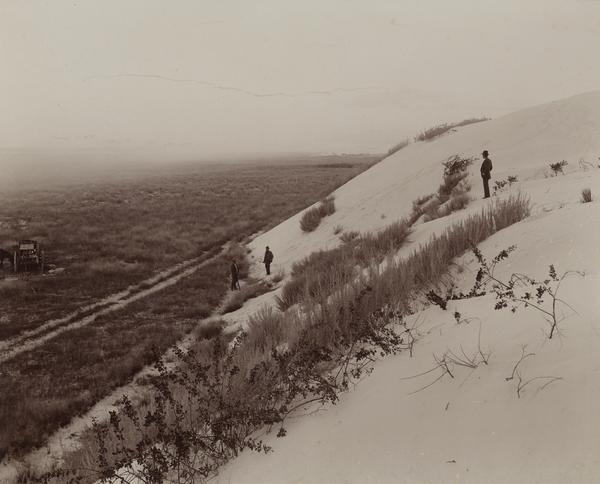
(141, 155)
(201, 80)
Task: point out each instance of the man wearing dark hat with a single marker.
(486, 168)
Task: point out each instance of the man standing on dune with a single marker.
(486, 168)
(235, 275)
(267, 260)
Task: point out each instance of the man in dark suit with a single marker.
(268, 259)
(486, 168)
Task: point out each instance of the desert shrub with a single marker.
(449, 183)
(558, 167)
(521, 290)
(337, 229)
(455, 164)
(499, 185)
(586, 195)
(454, 187)
(312, 217)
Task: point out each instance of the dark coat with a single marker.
(268, 257)
(235, 271)
(486, 168)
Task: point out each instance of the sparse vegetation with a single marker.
(312, 217)
(450, 196)
(524, 291)
(586, 195)
(499, 185)
(522, 383)
(398, 147)
(558, 167)
(440, 129)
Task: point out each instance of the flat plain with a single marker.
(127, 236)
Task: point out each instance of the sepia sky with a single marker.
(199, 78)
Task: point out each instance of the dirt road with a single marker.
(31, 339)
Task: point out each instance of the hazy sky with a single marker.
(198, 77)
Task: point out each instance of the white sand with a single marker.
(472, 428)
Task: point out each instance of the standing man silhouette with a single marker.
(267, 260)
(235, 275)
(486, 168)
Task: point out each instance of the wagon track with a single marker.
(86, 315)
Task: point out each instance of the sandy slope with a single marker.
(380, 433)
(522, 143)
(473, 428)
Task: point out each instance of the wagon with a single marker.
(28, 256)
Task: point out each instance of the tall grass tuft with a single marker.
(586, 195)
(326, 269)
(312, 217)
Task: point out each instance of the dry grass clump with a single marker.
(586, 195)
(312, 217)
